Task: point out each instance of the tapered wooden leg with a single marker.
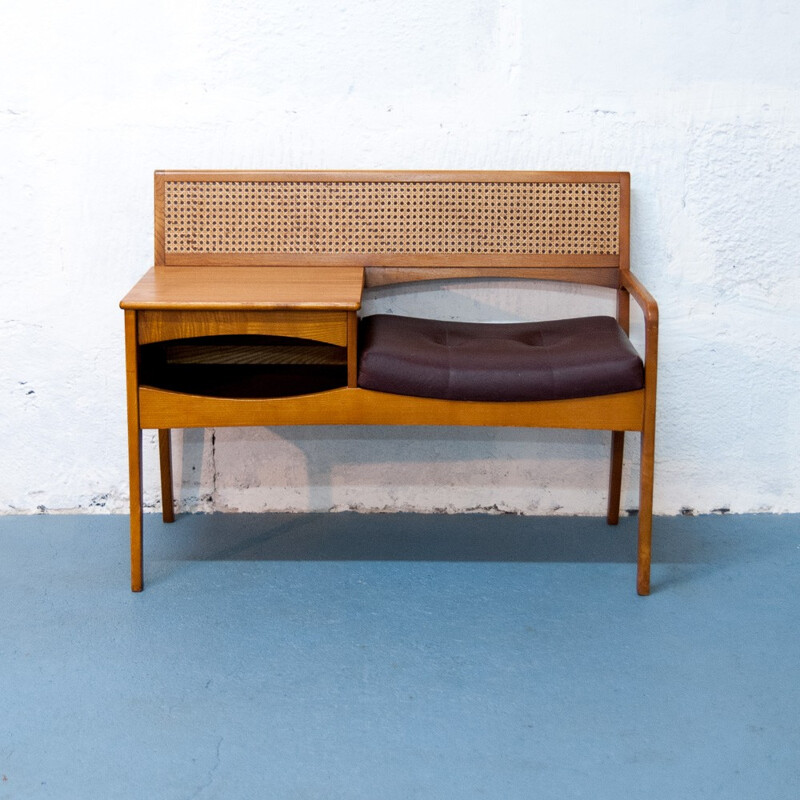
(646, 508)
(615, 476)
(135, 469)
(165, 457)
(134, 448)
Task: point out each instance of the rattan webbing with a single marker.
(391, 217)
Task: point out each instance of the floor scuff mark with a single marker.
(210, 777)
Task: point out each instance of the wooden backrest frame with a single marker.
(400, 225)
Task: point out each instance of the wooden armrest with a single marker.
(644, 300)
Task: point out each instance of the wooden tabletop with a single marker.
(247, 288)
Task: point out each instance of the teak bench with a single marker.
(250, 315)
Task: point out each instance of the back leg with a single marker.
(165, 457)
(615, 476)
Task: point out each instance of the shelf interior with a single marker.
(243, 366)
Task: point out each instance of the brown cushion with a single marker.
(497, 361)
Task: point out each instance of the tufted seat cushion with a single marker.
(551, 360)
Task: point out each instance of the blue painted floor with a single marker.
(399, 656)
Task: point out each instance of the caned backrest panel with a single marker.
(393, 219)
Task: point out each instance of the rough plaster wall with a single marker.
(698, 100)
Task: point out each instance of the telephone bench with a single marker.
(250, 315)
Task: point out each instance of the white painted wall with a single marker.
(699, 100)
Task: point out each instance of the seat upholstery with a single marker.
(552, 360)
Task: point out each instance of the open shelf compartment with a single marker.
(243, 366)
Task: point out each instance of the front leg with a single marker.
(134, 447)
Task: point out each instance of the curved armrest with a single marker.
(644, 299)
(631, 284)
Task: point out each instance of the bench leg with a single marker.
(165, 458)
(134, 447)
(645, 508)
(615, 476)
(135, 472)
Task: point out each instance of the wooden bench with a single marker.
(250, 315)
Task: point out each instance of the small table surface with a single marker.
(262, 288)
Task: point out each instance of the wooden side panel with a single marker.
(352, 349)
(322, 326)
(349, 406)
